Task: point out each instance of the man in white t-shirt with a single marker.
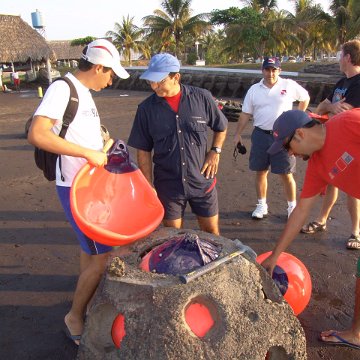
(99, 63)
(265, 101)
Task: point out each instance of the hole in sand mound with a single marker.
(201, 316)
(277, 353)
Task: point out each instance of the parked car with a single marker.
(291, 59)
(307, 58)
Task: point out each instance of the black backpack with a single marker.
(45, 160)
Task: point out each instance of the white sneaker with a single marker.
(260, 212)
(290, 209)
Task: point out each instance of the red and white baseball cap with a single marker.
(103, 52)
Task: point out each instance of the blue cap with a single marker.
(285, 126)
(160, 66)
(273, 62)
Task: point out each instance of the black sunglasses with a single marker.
(286, 144)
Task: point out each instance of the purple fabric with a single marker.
(182, 254)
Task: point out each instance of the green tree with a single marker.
(346, 18)
(171, 27)
(82, 41)
(128, 38)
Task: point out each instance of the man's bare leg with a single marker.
(87, 283)
(261, 184)
(177, 223)
(209, 224)
(328, 202)
(289, 186)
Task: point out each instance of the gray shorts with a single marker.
(260, 160)
(204, 206)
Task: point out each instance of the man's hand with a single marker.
(96, 158)
(211, 164)
(340, 106)
(237, 139)
(269, 264)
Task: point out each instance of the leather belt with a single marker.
(270, 132)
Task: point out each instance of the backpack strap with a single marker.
(72, 107)
(69, 114)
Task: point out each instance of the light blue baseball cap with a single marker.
(160, 66)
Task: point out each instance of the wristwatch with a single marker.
(216, 149)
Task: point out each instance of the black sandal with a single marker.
(313, 227)
(353, 242)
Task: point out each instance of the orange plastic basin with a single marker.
(114, 209)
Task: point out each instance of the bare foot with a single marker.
(74, 327)
(346, 337)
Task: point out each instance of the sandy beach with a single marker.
(39, 253)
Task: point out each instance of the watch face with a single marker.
(216, 149)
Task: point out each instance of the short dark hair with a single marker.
(352, 48)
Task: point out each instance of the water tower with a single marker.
(38, 22)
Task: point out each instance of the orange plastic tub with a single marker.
(114, 208)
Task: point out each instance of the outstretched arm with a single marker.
(292, 228)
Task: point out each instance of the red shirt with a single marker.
(174, 101)
(338, 161)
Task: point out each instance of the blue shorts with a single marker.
(89, 246)
(260, 160)
(204, 206)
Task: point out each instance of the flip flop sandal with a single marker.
(353, 243)
(313, 227)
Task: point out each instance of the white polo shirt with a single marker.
(267, 104)
(84, 129)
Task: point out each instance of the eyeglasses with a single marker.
(286, 144)
(156, 82)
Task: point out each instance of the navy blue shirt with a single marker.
(347, 88)
(179, 140)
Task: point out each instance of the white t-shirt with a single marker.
(267, 104)
(84, 129)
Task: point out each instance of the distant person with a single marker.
(99, 63)
(333, 150)
(345, 96)
(16, 79)
(170, 130)
(265, 101)
(1, 79)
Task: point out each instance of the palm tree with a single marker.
(127, 38)
(168, 28)
(346, 17)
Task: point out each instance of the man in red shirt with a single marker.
(333, 150)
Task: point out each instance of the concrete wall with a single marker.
(231, 83)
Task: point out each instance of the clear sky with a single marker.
(71, 19)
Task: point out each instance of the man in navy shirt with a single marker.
(172, 124)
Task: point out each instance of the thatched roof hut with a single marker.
(19, 42)
(62, 50)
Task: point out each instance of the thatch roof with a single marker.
(62, 50)
(19, 41)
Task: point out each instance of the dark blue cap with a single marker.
(285, 126)
(273, 62)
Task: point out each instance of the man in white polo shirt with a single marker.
(265, 101)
